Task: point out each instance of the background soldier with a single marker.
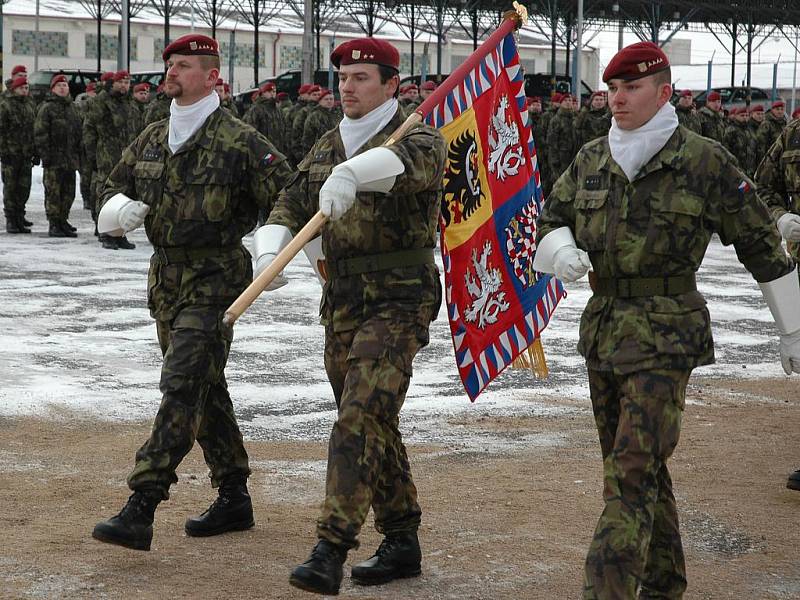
(541, 144)
(267, 118)
(321, 119)
(158, 108)
(284, 104)
(112, 122)
(197, 189)
(562, 144)
(58, 141)
(738, 141)
(646, 326)
(382, 294)
(711, 125)
(686, 113)
(224, 92)
(299, 123)
(593, 121)
(770, 130)
(17, 153)
(141, 95)
(426, 89)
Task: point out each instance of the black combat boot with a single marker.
(56, 230)
(68, 225)
(26, 222)
(125, 244)
(108, 242)
(21, 225)
(231, 511)
(69, 230)
(12, 226)
(398, 556)
(133, 526)
(322, 572)
(794, 481)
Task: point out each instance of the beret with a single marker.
(428, 85)
(313, 88)
(282, 96)
(141, 87)
(713, 96)
(267, 87)
(324, 92)
(412, 86)
(18, 69)
(18, 82)
(107, 76)
(556, 97)
(91, 86)
(367, 50)
(192, 45)
(303, 89)
(226, 87)
(120, 75)
(778, 104)
(597, 93)
(636, 61)
(757, 108)
(58, 79)
(733, 111)
(220, 81)
(686, 94)
(796, 113)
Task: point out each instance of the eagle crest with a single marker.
(462, 185)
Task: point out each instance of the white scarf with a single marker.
(185, 120)
(356, 132)
(633, 148)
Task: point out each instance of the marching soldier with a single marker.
(562, 144)
(738, 141)
(770, 130)
(299, 122)
(711, 125)
(382, 294)
(267, 118)
(17, 153)
(196, 186)
(111, 124)
(58, 134)
(321, 119)
(686, 114)
(646, 327)
(594, 121)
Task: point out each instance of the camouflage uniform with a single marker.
(689, 119)
(591, 124)
(547, 178)
(58, 141)
(561, 142)
(769, 131)
(375, 322)
(320, 120)
(203, 199)
(268, 120)
(298, 127)
(157, 109)
(231, 107)
(738, 142)
(85, 170)
(711, 125)
(17, 153)
(646, 327)
(778, 178)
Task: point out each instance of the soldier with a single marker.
(58, 141)
(141, 94)
(284, 103)
(382, 294)
(17, 153)
(267, 118)
(196, 182)
(412, 98)
(158, 108)
(562, 144)
(710, 115)
(771, 128)
(81, 105)
(299, 122)
(738, 141)
(594, 121)
(321, 119)
(646, 326)
(686, 113)
(83, 98)
(426, 89)
(541, 147)
(796, 114)
(111, 124)
(224, 92)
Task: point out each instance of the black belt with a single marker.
(636, 287)
(169, 256)
(380, 262)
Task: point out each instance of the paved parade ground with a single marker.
(510, 486)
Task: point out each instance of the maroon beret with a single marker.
(19, 69)
(778, 104)
(91, 86)
(636, 61)
(303, 89)
(713, 96)
(58, 79)
(686, 94)
(141, 87)
(267, 87)
(282, 96)
(107, 76)
(556, 97)
(757, 108)
(428, 85)
(324, 92)
(313, 88)
(796, 113)
(192, 45)
(412, 86)
(367, 50)
(120, 75)
(226, 87)
(733, 111)
(18, 82)
(220, 81)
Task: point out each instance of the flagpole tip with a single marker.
(521, 15)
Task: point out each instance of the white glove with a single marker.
(790, 352)
(262, 262)
(789, 226)
(131, 216)
(570, 263)
(338, 193)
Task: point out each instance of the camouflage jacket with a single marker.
(17, 116)
(112, 123)
(320, 120)
(58, 133)
(769, 131)
(157, 109)
(658, 226)
(299, 150)
(268, 120)
(231, 107)
(711, 125)
(591, 124)
(738, 141)
(405, 218)
(561, 141)
(689, 119)
(206, 195)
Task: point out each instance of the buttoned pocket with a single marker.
(590, 219)
(676, 220)
(148, 177)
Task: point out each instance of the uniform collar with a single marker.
(203, 137)
(670, 156)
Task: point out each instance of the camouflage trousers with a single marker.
(87, 190)
(369, 370)
(59, 192)
(637, 547)
(195, 404)
(16, 174)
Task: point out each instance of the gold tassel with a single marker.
(533, 359)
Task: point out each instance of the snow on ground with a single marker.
(75, 334)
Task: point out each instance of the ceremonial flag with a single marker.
(496, 303)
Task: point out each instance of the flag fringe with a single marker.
(533, 359)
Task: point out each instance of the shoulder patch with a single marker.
(267, 159)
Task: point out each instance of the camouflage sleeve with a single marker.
(423, 152)
(295, 206)
(250, 116)
(121, 179)
(771, 184)
(310, 128)
(559, 209)
(741, 219)
(90, 139)
(5, 127)
(41, 134)
(267, 171)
